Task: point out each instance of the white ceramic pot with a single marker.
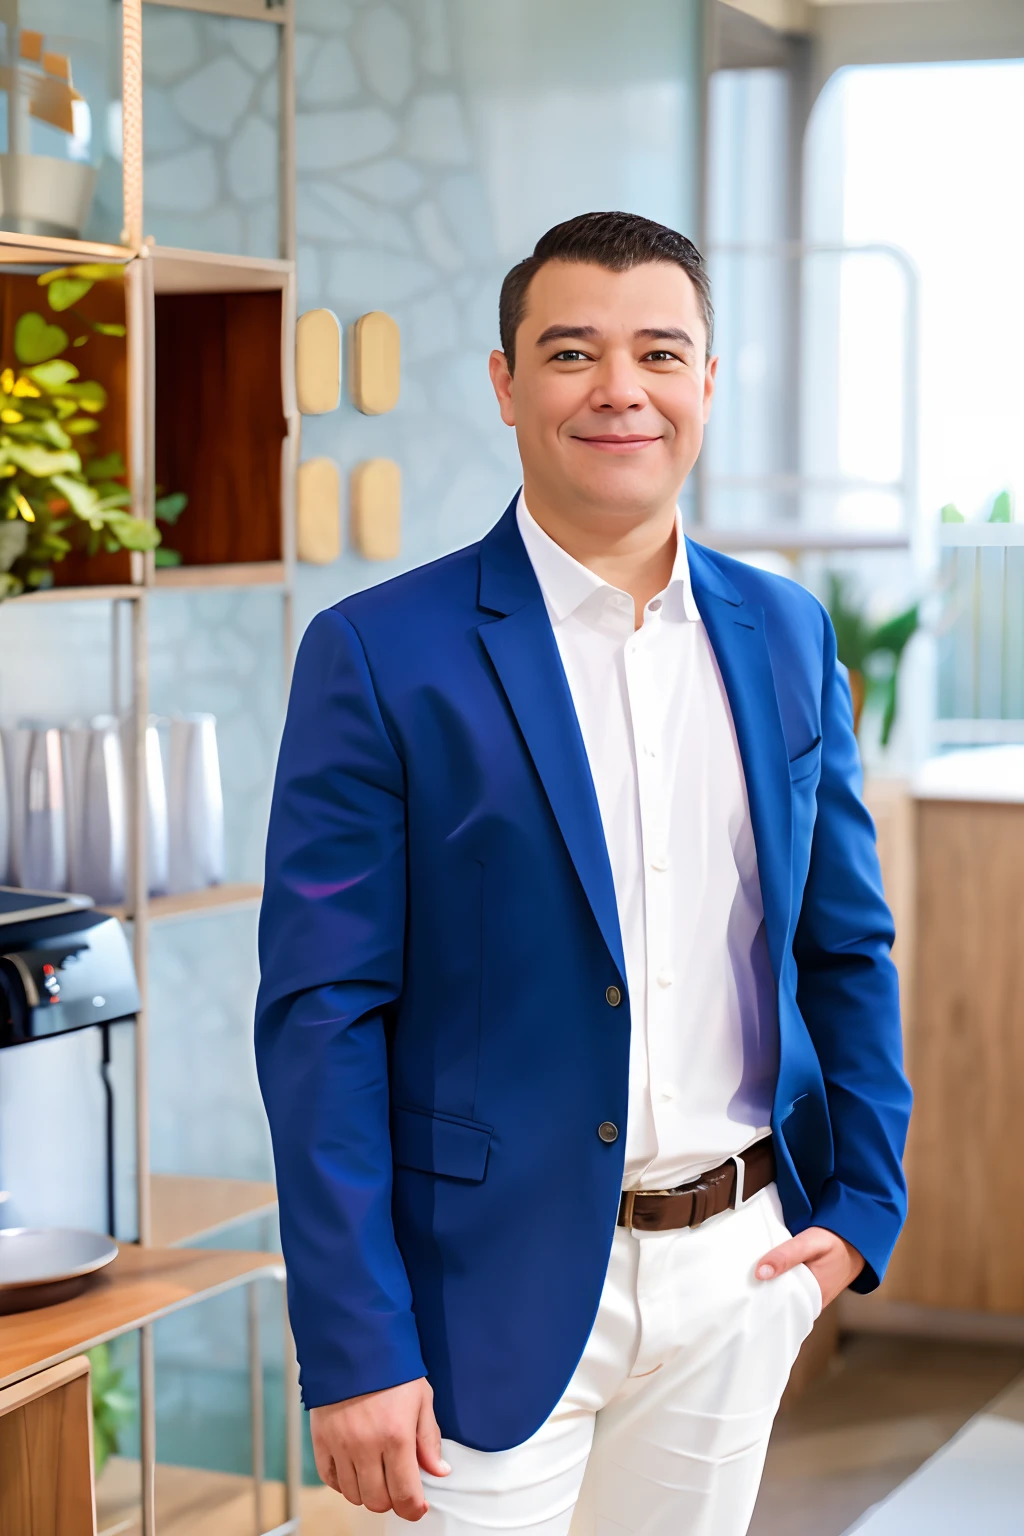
(195, 804)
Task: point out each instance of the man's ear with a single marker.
(710, 374)
(501, 378)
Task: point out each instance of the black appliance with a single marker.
(68, 1000)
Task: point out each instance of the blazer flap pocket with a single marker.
(807, 763)
(436, 1143)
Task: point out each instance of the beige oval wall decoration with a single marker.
(318, 512)
(374, 371)
(376, 509)
(318, 362)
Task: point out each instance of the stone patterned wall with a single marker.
(436, 139)
(211, 131)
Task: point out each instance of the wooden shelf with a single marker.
(141, 1285)
(263, 573)
(50, 250)
(186, 1209)
(214, 898)
(183, 271)
(81, 595)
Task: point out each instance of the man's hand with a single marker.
(832, 1261)
(370, 1448)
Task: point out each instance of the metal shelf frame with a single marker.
(149, 270)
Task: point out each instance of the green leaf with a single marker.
(132, 532)
(893, 635)
(35, 340)
(108, 328)
(65, 291)
(42, 462)
(54, 434)
(164, 557)
(108, 467)
(1002, 509)
(90, 395)
(951, 513)
(82, 498)
(120, 496)
(80, 341)
(13, 542)
(53, 375)
(79, 425)
(169, 508)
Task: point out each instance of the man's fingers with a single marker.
(796, 1250)
(373, 1488)
(405, 1487)
(428, 1443)
(347, 1482)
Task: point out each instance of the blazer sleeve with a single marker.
(848, 994)
(331, 943)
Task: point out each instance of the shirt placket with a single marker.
(642, 655)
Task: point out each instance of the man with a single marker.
(577, 1001)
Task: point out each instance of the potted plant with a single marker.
(870, 652)
(56, 492)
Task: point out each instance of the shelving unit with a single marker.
(231, 441)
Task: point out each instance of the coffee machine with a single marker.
(68, 1001)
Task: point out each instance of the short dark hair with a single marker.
(616, 241)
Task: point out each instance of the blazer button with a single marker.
(613, 997)
(608, 1132)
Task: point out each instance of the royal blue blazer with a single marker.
(438, 933)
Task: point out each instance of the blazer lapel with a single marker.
(737, 636)
(524, 653)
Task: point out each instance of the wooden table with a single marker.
(140, 1287)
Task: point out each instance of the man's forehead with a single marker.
(651, 296)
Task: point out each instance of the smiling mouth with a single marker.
(610, 442)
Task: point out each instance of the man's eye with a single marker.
(661, 357)
(569, 356)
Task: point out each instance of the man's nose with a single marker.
(618, 387)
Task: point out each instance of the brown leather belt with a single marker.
(665, 1210)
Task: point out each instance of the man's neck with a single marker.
(634, 553)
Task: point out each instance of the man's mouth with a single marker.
(611, 442)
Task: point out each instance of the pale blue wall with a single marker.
(436, 139)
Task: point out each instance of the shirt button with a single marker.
(660, 861)
(613, 997)
(666, 1095)
(665, 977)
(608, 1132)
(650, 750)
(654, 604)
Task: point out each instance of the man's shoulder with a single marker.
(448, 585)
(783, 601)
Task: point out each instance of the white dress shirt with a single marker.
(666, 767)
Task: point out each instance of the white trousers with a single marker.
(663, 1429)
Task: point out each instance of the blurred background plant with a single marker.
(56, 494)
(1000, 511)
(112, 1405)
(870, 651)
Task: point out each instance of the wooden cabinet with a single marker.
(46, 1479)
(963, 1246)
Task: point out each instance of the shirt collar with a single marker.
(566, 584)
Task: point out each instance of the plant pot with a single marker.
(858, 688)
(40, 195)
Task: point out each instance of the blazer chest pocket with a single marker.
(439, 1143)
(806, 764)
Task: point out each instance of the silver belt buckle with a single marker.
(741, 1172)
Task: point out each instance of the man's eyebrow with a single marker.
(668, 333)
(567, 333)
